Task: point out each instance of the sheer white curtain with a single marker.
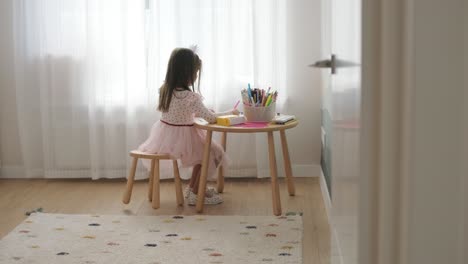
(88, 73)
(80, 82)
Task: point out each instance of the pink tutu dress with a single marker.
(175, 134)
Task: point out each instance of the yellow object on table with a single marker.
(230, 120)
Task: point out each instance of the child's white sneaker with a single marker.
(210, 191)
(214, 199)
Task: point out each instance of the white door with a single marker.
(341, 122)
(412, 185)
(346, 93)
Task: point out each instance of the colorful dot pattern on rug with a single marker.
(119, 239)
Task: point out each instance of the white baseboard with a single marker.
(7, 172)
(325, 194)
(299, 170)
(336, 256)
(306, 170)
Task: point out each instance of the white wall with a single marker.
(305, 82)
(304, 85)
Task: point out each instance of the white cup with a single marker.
(260, 113)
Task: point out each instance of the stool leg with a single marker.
(130, 180)
(150, 184)
(177, 183)
(221, 169)
(155, 202)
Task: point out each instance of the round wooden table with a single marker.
(269, 129)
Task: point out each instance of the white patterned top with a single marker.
(185, 105)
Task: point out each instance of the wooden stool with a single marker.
(153, 176)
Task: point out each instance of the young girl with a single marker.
(174, 133)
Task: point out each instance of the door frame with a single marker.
(386, 97)
(387, 127)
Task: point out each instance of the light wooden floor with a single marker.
(241, 197)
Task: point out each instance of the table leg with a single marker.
(274, 175)
(221, 169)
(204, 172)
(287, 164)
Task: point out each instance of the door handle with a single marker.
(333, 63)
(329, 63)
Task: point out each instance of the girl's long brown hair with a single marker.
(182, 70)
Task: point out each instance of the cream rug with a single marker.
(88, 239)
